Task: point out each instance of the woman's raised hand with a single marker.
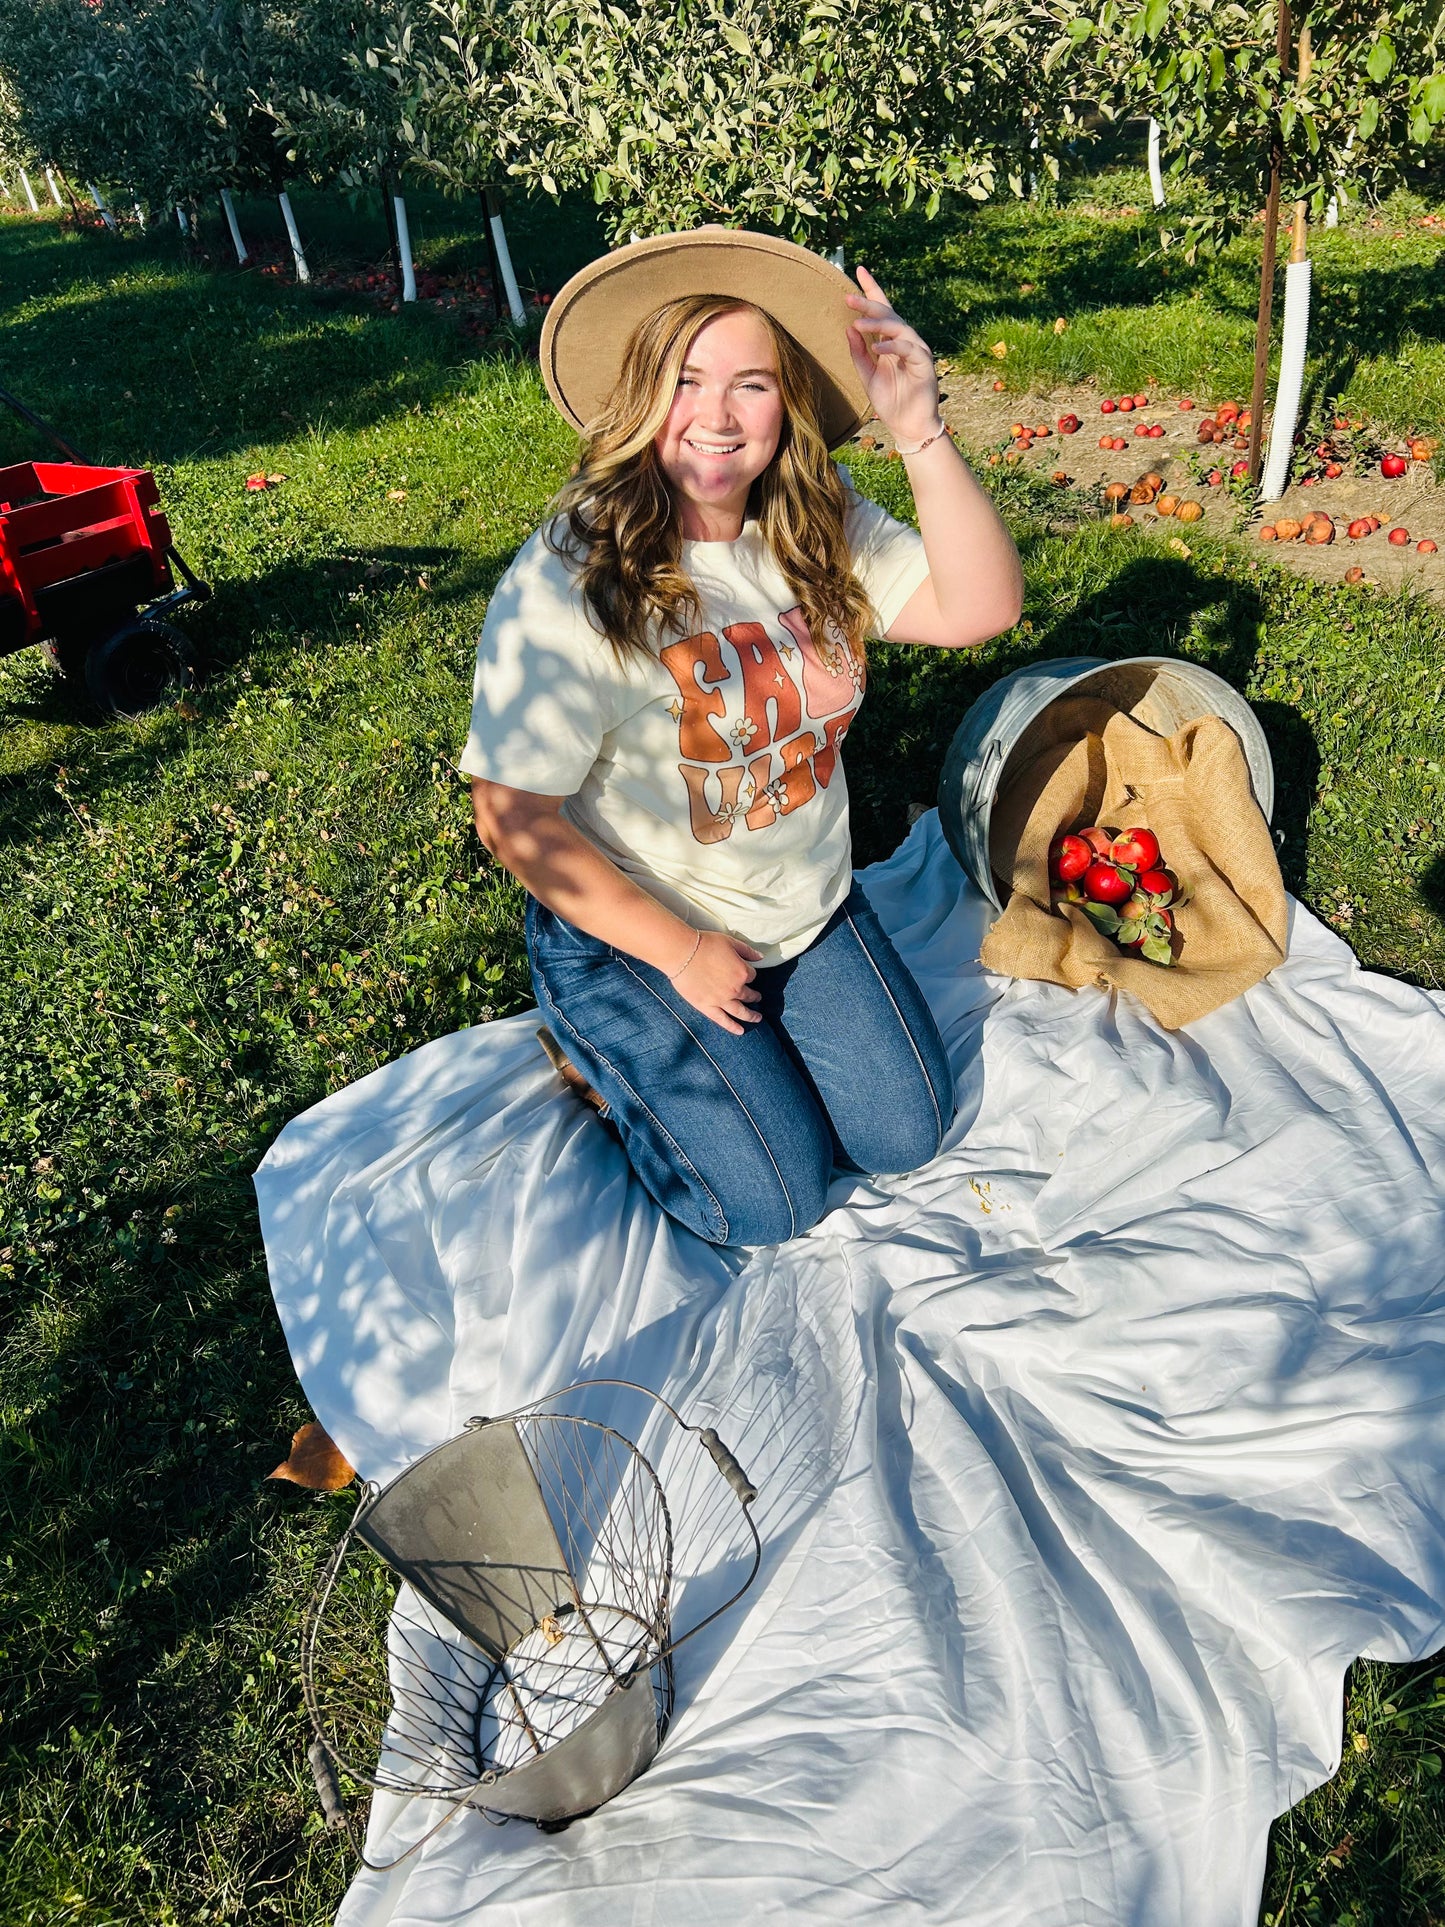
(717, 980)
(894, 364)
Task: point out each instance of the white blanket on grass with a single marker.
(1089, 1455)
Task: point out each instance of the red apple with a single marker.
(1156, 883)
(1240, 468)
(1098, 840)
(1427, 547)
(1141, 401)
(1069, 857)
(1157, 430)
(1107, 407)
(1068, 424)
(1186, 404)
(1399, 537)
(1393, 466)
(1104, 884)
(1126, 403)
(1135, 850)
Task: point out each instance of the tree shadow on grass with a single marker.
(257, 623)
(1432, 887)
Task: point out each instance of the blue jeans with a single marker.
(737, 1137)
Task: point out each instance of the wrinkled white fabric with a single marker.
(1089, 1455)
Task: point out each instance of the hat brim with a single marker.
(591, 318)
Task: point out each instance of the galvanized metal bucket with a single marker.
(1161, 692)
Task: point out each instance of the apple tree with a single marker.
(789, 113)
(1330, 96)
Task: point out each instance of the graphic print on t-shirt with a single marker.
(759, 740)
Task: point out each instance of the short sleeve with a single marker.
(888, 556)
(542, 700)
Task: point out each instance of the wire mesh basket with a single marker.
(494, 1629)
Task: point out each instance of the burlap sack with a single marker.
(1091, 763)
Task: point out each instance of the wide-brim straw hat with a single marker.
(592, 317)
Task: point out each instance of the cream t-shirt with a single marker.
(710, 773)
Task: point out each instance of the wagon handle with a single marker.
(39, 421)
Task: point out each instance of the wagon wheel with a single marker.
(142, 666)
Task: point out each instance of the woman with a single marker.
(664, 681)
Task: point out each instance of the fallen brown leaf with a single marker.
(315, 1461)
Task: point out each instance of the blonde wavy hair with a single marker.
(623, 533)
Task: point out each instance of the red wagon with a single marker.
(87, 569)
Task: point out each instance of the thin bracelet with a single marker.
(697, 942)
(945, 430)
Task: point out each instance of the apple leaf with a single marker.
(315, 1461)
(1157, 950)
(1102, 916)
(1130, 932)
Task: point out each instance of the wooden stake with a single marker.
(1266, 270)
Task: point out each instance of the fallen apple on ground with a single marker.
(1399, 537)
(1393, 466)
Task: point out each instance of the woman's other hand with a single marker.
(717, 980)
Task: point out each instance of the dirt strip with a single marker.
(982, 419)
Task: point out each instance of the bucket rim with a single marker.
(1053, 689)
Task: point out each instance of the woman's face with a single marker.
(722, 429)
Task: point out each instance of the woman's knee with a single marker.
(902, 1137)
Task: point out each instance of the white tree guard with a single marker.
(1156, 173)
(509, 279)
(29, 192)
(105, 213)
(54, 190)
(1291, 378)
(229, 207)
(403, 248)
(293, 234)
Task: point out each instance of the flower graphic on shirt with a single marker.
(777, 794)
(743, 731)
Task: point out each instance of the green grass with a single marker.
(209, 920)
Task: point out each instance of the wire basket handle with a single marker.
(721, 1455)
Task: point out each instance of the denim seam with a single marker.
(737, 1095)
(642, 1103)
(903, 1021)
